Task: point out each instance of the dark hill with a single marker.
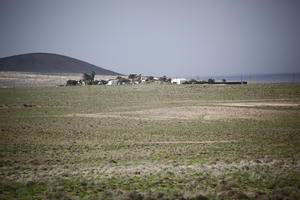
(49, 63)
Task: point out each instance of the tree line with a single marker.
(89, 79)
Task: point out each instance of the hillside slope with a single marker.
(49, 63)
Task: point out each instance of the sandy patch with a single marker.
(187, 142)
(188, 113)
(259, 104)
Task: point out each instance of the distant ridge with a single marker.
(49, 63)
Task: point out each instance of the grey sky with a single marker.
(159, 37)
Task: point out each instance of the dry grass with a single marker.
(161, 141)
(28, 79)
(225, 111)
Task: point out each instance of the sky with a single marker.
(159, 37)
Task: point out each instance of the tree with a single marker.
(139, 78)
(72, 82)
(88, 78)
(132, 76)
(93, 75)
(150, 78)
(211, 81)
(162, 79)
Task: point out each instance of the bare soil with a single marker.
(259, 104)
(215, 111)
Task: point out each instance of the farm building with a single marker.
(178, 80)
(113, 82)
(143, 79)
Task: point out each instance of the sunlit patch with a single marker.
(224, 111)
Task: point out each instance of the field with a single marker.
(151, 142)
(30, 79)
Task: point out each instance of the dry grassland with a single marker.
(29, 79)
(216, 111)
(151, 142)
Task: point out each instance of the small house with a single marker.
(178, 80)
(113, 82)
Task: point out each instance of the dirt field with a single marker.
(217, 111)
(151, 142)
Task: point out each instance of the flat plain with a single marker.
(10, 79)
(154, 141)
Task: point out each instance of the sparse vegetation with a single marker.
(151, 141)
(192, 81)
(164, 79)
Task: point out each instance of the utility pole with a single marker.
(293, 75)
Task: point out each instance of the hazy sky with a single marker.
(159, 37)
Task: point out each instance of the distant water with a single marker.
(295, 77)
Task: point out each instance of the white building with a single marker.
(178, 80)
(113, 82)
(143, 79)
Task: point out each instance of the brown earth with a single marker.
(214, 111)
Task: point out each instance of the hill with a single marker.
(49, 63)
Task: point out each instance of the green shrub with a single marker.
(72, 82)
(211, 81)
